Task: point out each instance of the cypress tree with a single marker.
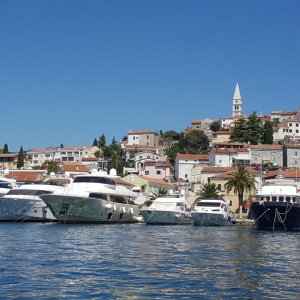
(95, 143)
(268, 133)
(20, 162)
(5, 149)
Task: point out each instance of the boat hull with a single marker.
(73, 209)
(160, 217)
(276, 215)
(24, 210)
(210, 219)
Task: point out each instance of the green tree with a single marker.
(196, 141)
(172, 151)
(254, 130)
(154, 195)
(5, 149)
(51, 166)
(215, 126)
(208, 191)
(95, 143)
(240, 181)
(248, 130)
(239, 131)
(102, 142)
(267, 133)
(20, 162)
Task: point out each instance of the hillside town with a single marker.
(145, 163)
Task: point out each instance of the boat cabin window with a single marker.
(5, 185)
(274, 198)
(95, 179)
(209, 204)
(28, 192)
(288, 199)
(97, 196)
(118, 199)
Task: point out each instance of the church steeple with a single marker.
(237, 104)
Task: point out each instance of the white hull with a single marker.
(210, 219)
(163, 217)
(24, 209)
(73, 209)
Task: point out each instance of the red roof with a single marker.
(192, 156)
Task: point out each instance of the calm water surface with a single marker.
(51, 261)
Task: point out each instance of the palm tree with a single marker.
(155, 194)
(208, 191)
(240, 181)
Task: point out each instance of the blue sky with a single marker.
(71, 70)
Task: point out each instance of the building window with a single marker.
(290, 130)
(158, 172)
(290, 124)
(296, 153)
(186, 176)
(147, 137)
(297, 131)
(219, 187)
(297, 124)
(146, 172)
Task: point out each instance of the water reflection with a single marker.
(136, 261)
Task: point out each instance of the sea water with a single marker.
(52, 261)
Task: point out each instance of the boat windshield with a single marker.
(28, 192)
(209, 204)
(94, 179)
(5, 184)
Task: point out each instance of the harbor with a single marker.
(136, 261)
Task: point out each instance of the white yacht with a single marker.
(93, 198)
(24, 204)
(212, 212)
(167, 210)
(6, 185)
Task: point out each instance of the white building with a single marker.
(185, 162)
(72, 154)
(229, 157)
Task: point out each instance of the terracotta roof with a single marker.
(192, 156)
(227, 174)
(196, 122)
(27, 176)
(119, 181)
(285, 113)
(212, 169)
(74, 167)
(9, 155)
(154, 180)
(89, 159)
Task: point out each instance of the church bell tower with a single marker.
(237, 103)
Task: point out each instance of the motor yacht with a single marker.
(94, 198)
(6, 185)
(23, 204)
(277, 205)
(169, 209)
(212, 212)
